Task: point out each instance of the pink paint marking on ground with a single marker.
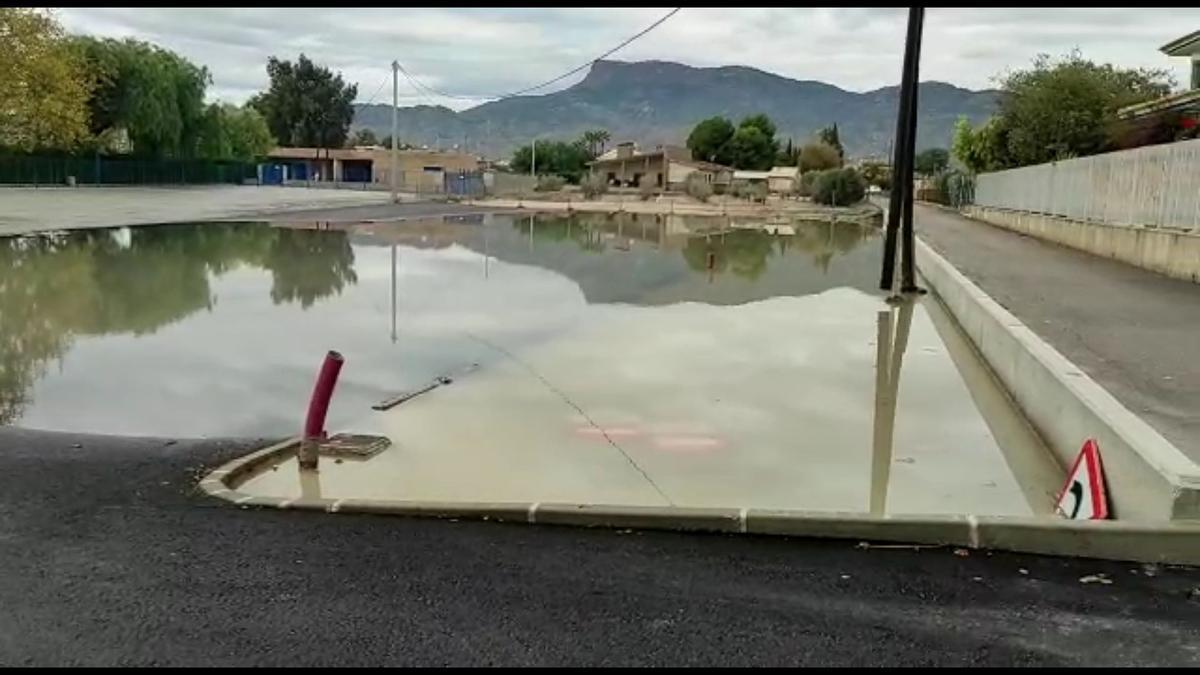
(688, 444)
(611, 432)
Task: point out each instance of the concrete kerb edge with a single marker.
(1173, 543)
(954, 290)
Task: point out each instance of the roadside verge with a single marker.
(1149, 479)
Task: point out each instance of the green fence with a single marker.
(99, 170)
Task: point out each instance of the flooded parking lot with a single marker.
(615, 359)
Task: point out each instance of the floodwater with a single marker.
(214, 329)
(612, 359)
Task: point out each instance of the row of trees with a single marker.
(568, 159)
(63, 93)
(752, 145)
(1055, 110)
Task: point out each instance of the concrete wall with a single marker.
(509, 183)
(1173, 253)
(1148, 479)
(1156, 185)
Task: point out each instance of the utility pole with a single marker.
(395, 132)
(900, 202)
(908, 273)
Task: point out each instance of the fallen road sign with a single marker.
(1083, 497)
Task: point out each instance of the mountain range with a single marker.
(655, 102)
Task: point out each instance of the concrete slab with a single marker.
(773, 404)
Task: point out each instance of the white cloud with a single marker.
(484, 51)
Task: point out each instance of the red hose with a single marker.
(318, 405)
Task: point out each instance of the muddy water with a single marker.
(215, 329)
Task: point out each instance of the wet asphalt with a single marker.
(110, 556)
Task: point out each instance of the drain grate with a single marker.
(353, 446)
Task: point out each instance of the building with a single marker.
(779, 180)
(421, 170)
(1171, 117)
(667, 167)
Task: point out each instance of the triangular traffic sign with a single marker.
(1083, 497)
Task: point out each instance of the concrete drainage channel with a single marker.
(1153, 487)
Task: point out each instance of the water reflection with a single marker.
(893, 326)
(527, 278)
(135, 281)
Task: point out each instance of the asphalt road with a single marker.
(1133, 331)
(109, 556)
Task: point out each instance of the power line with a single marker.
(377, 90)
(656, 24)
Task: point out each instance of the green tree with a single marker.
(751, 148)
(760, 122)
(230, 132)
(306, 105)
(829, 136)
(818, 156)
(983, 148)
(878, 174)
(1056, 109)
(839, 187)
(709, 139)
(789, 156)
(931, 161)
(43, 85)
(568, 160)
(154, 95)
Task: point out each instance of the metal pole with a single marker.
(395, 131)
(393, 293)
(902, 157)
(908, 274)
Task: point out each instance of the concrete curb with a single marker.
(1175, 543)
(1149, 479)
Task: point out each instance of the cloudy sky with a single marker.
(473, 52)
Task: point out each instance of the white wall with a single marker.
(1156, 186)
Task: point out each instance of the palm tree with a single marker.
(595, 140)
(602, 136)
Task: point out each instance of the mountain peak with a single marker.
(660, 101)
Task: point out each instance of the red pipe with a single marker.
(318, 405)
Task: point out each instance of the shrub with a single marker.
(839, 187)
(593, 186)
(819, 157)
(697, 186)
(550, 183)
(955, 187)
(757, 192)
(646, 190)
(807, 180)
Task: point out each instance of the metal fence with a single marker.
(100, 170)
(1152, 186)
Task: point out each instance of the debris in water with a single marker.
(1024, 571)
(1150, 569)
(961, 552)
(1095, 579)
(845, 576)
(76, 445)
